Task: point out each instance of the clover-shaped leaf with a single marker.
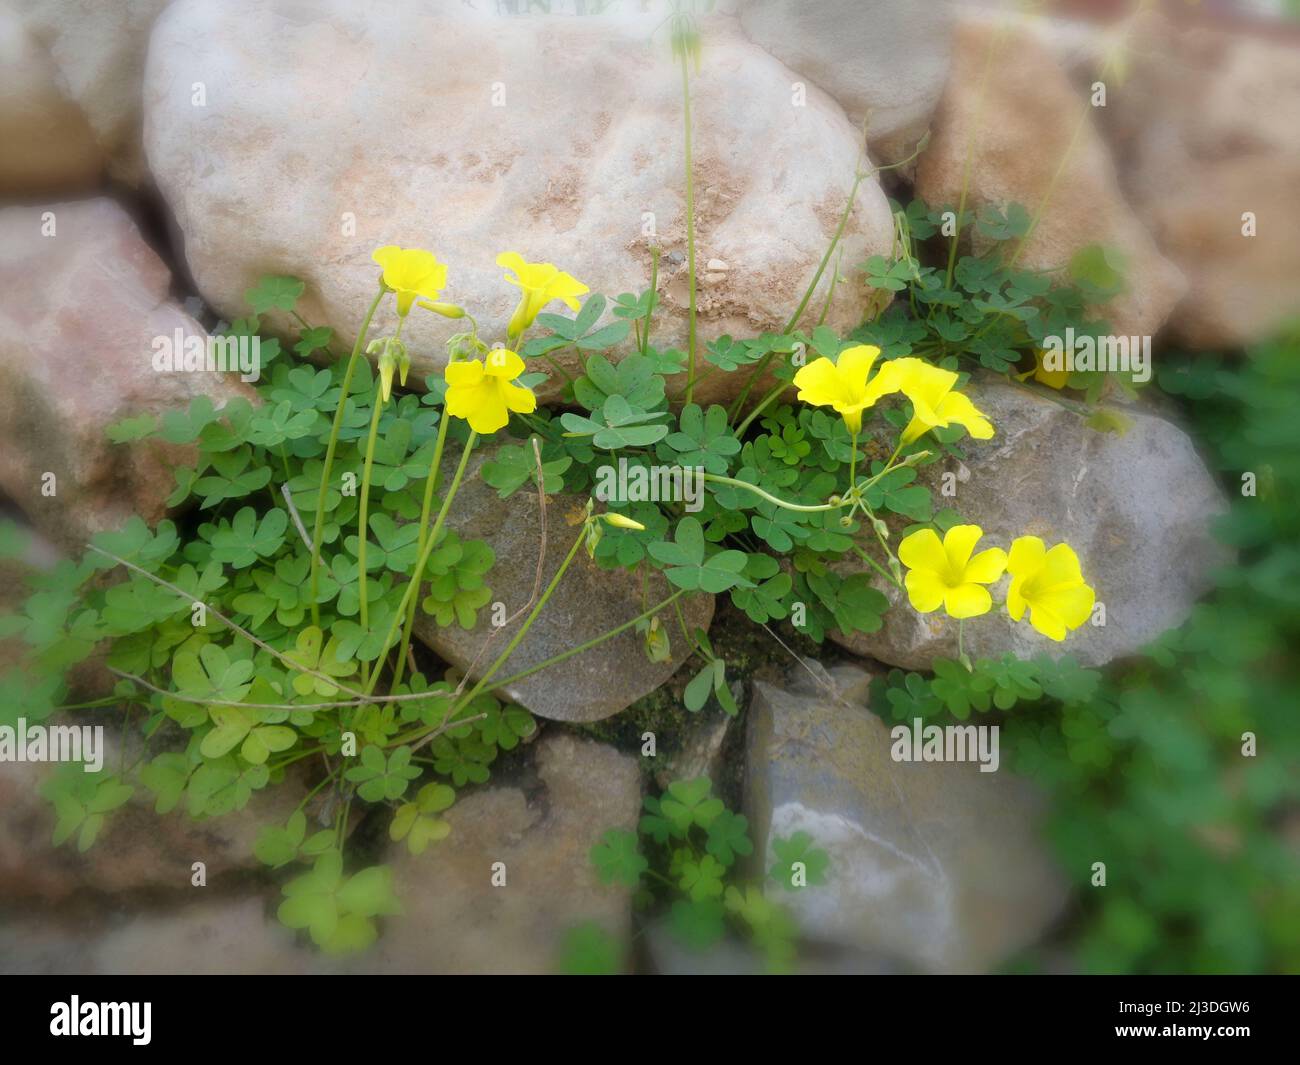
(690, 802)
(274, 293)
(617, 859)
(688, 567)
(382, 778)
(799, 863)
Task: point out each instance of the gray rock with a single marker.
(455, 921)
(583, 155)
(80, 313)
(883, 58)
(936, 864)
(589, 601)
(1137, 508)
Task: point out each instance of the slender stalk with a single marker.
(594, 642)
(430, 487)
(319, 525)
(766, 360)
(800, 507)
(528, 621)
(654, 298)
(363, 519)
(690, 223)
(412, 588)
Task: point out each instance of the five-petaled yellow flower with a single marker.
(934, 403)
(944, 574)
(484, 395)
(1057, 379)
(1050, 583)
(846, 384)
(411, 273)
(541, 283)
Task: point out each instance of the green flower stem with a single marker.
(765, 361)
(363, 517)
(319, 524)
(878, 568)
(763, 404)
(430, 487)
(853, 458)
(801, 508)
(654, 298)
(515, 640)
(690, 221)
(412, 588)
(594, 642)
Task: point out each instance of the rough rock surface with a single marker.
(49, 145)
(98, 50)
(1022, 131)
(934, 863)
(455, 921)
(1200, 151)
(1137, 508)
(79, 311)
(583, 155)
(883, 58)
(589, 601)
(138, 849)
(224, 936)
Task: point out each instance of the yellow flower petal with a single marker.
(967, 601)
(958, 543)
(987, 566)
(504, 363)
(923, 550)
(925, 591)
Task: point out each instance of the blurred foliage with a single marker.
(1145, 763)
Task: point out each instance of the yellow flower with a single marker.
(622, 521)
(946, 574)
(934, 403)
(1057, 379)
(485, 395)
(411, 272)
(844, 384)
(1050, 583)
(541, 283)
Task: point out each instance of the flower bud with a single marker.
(622, 521)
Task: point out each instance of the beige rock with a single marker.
(1206, 126)
(49, 146)
(882, 59)
(98, 50)
(588, 602)
(1021, 133)
(580, 165)
(79, 311)
(455, 921)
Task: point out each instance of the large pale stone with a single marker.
(1016, 116)
(588, 602)
(456, 921)
(49, 146)
(886, 59)
(933, 863)
(98, 50)
(333, 128)
(1200, 152)
(79, 311)
(1136, 507)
